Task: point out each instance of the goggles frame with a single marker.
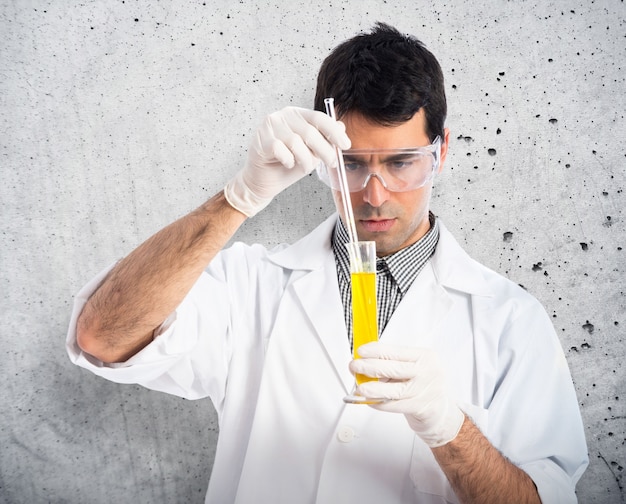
(433, 150)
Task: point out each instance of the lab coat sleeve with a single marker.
(189, 356)
(534, 416)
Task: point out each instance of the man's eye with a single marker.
(409, 163)
(353, 166)
(401, 165)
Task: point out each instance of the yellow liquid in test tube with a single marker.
(364, 320)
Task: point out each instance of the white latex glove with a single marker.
(288, 145)
(413, 382)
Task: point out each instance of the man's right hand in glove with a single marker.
(288, 145)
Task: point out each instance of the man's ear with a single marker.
(444, 148)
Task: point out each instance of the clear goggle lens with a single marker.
(397, 170)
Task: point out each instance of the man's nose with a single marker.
(375, 192)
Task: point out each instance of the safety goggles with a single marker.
(398, 170)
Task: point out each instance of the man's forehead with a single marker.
(368, 134)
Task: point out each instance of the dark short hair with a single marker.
(385, 76)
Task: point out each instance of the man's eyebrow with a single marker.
(365, 156)
(399, 156)
(347, 156)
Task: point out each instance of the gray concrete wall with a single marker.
(116, 117)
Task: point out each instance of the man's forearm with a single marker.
(148, 284)
(479, 473)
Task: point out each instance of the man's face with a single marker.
(393, 220)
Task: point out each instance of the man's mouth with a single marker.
(377, 225)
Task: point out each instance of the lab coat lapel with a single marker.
(317, 291)
(319, 297)
(427, 302)
(420, 313)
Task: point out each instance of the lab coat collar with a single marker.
(455, 269)
(306, 253)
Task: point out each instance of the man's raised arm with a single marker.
(146, 286)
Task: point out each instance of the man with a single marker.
(478, 404)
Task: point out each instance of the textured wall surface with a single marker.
(116, 117)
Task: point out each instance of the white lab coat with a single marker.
(263, 334)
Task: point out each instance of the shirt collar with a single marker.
(403, 266)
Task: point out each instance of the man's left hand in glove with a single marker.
(412, 381)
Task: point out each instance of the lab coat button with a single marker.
(345, 434)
